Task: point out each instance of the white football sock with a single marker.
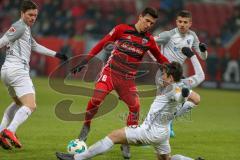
(100, 147)
(180, 157)
(187, 106)
(8, 115)
(20, 116)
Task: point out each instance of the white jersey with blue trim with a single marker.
(172, 41)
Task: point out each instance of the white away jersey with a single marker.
(172, 42)
(20, 45)
(164, 106)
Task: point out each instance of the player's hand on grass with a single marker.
(202, 47)
(79, 67)
(187, 52)
(61, 56)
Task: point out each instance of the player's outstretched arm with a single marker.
(48, 52)
(199, 75)
(110, 37)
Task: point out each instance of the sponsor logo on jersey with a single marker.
(177, 90)
(131, 48)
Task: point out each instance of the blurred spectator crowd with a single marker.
(215, 23)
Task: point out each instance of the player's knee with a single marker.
(195, 98)
(118, 136)
(32, 107)
(113, 136)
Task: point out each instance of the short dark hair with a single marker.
(28, 4)
(151, 11)
(174, 69)
(185, 13)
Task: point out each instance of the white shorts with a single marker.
(157, 137)
(18, 81)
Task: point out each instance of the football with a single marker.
(76, 146)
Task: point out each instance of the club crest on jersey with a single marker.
(188, 41)
(12, 29)
(144, 41)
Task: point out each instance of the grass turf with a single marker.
(211, 130)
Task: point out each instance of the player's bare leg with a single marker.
(28, 106)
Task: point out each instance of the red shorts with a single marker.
(125, 88)
(111, 80)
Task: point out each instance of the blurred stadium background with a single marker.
(74, 26)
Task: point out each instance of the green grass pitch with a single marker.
(212, 130)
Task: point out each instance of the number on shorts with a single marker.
(104, 78)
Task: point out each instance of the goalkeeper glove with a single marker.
(187, 52)
(202, 47)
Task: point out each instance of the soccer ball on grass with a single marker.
(76, 146)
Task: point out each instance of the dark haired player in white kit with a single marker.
(15, 73)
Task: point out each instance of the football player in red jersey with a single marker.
(132, 42)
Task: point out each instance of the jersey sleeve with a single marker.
(202, 55)
(112, 36)
(15, 32)
(154, 49)
(198, 77)
(4, 41)
(164, 37)
(41, 49)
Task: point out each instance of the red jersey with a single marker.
(129, 48)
